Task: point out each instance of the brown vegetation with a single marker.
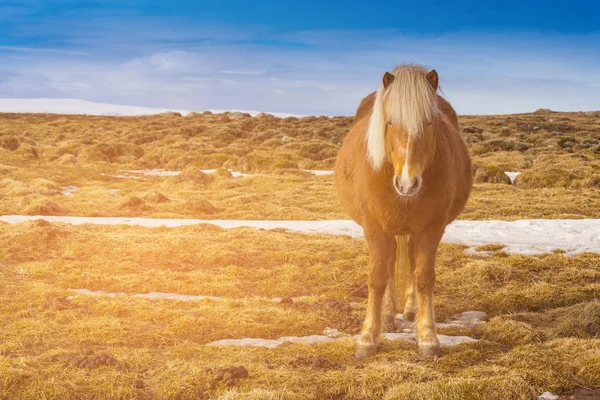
(560, 172)
(542, 333)
(543, 328)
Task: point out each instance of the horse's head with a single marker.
(401, 126)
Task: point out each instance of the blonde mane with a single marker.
(407, 102)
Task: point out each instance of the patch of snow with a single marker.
(69, 190)
(548, 396)
(76, 106)
(268, 343)
(410, 336)
(473, 252)
(445, 341)
(512, 176)
(319, 172)
(471, 316)
(128, 177)
(527, 236)
(235, 174)
(448, 341)
(113, 191)
(312, 339)
(465, 320)
(170, 296)
(151, 172)
(97, 293)
(334, 333)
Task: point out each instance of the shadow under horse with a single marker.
(403, 173)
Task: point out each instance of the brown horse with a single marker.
(403, 173)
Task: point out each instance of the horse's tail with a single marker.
(402, 268)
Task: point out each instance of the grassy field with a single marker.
(544, 317)
(557, 154)
(543, 311)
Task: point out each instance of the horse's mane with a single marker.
(407, 102)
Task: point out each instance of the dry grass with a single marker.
(542, 308)
(556, 153)
(543, 329)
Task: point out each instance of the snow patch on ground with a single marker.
(319, 172)
(512, 176)
(76, 106)
(69, 190)
(151, 172)
(333, 335)
(528, 236)
(474, 252)
(465, 320)
(235, 174)
(548, 396)
(166, 296)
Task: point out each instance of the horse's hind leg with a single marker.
(425, 251)
(389, 302)
(382, 249)
(406, 267)
(400, 279)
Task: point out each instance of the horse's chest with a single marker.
(403, 219)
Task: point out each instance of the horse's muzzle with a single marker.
(407, 187)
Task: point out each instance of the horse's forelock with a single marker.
(407, 102)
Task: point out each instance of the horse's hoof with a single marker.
(430, 352)
(409, 316)
(365, 351)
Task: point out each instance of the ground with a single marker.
(543, 313)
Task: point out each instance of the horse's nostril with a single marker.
(418, 182)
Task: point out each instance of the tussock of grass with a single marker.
(154, 196)
(190, 175)
(43, 207)
(490, 174)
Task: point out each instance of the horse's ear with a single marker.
(387, 79)
(433, 79)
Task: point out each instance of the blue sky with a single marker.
(306, 57)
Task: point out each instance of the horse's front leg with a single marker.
(382, 250)
(388, 312)
(425, 252)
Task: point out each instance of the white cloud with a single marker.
(327, 75)
(232, 72)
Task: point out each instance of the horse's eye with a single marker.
(389, 123)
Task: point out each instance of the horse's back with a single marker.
(461, 158)
(446, 109)
(365, 107)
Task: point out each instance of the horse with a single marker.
(403, 173)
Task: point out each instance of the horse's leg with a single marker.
(382, 248)
(389, 301)
(425, 250)
(405, 265)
